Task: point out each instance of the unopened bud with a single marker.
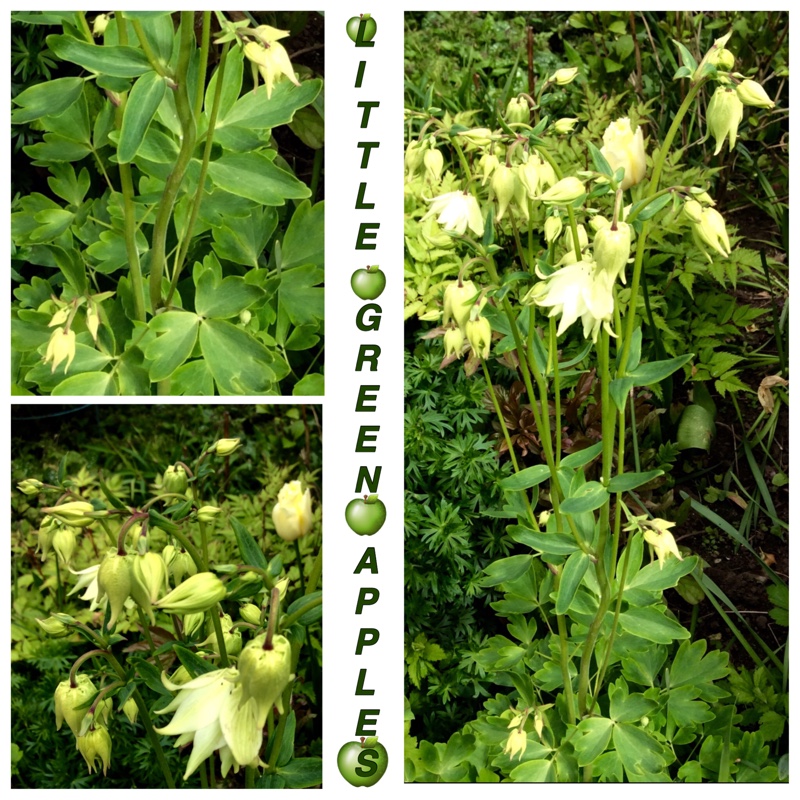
(517, 111)
(612, 248)
(434, 164)
(30, 486)
(224, 447)
(94, 746)
(479, 335)
(148, 579)
(208, 513)
(64, 544)
(175, 480)
(503, 185)
(131, 710)
(752, 93)
(565, 125)
(75, 513)
(69, 698)
(552, 228)
(563, 76)
(198, 593)
(458, 302)
(53, 627)
(114, 581)
(251, 613)
(565, 192)
(453, 342)
(266, 673)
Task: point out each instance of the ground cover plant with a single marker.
(167, 214)
(596, 391)
(166, 597)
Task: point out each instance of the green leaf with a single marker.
(685, 709)
(116, 60)
(654, 578)
(56, 147)
(255, 110)
(87, 383)
(242, 239)
(151, 677)
(626, 707)
(302, 773)
(692, 666)
(178, 334)
(231, 86)
(651, 624)
(526, 478)
(639, 752)
(192, 379)
(686, 57)
(600, 163)
(656, 371)
(195, 665)
(550, 543)
(632, 480)
(299, 296)
(248, 547)
(46, 98)
(644, 666)
(87, 359)
(144, 99)
(582, 457)
(72, 267)
(239, 363)
(225, 299)
(588, 497)
(506, 569)
(312, 615)
(310, 386)
(571, 577)
(304, 241)
(594, 734)
(537, 770)
(254, 176)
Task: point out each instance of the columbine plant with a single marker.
(226, 682)
(601, 692)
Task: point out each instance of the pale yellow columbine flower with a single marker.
(723, 116)
(624, 147)
(455, 211)
(658, 535)
(517, 742)
(270, 56)
(61, 346)
(292, 514)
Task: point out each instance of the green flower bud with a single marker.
(95, 745)
(565, 125)
(598, 221)
(53, 627)
(198, 593)
(479, 335)
(47, 530)
(503, 184)
(114, 581)
(722, 59)
(251, 613)
(528, 177)
(193, 622)
(182, 566)
(64, 544)
(547, 175)
(67, 700)
(76, 513)
(708, 229)
(148, 579)
(131, 710)
(724, 113)
(476, 137)
(413, 157)
(100, 24)
(453, 342)
(292, 514)
(693, 210)
(552, 228)
(565, 192)
(488, 163)
(265, 673)
(231, 638)
(458, 302)
(224, 447)
(612, 248)
(245, 316)
(434, 164)
(753, 94)
(517, 111)
(563, 76)
(175, 480)
(207, 513)
(30, 486)
(712, 56)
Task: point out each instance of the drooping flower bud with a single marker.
(270, 56)
(192, 623)
(265, 673)
(722, 59)
(434, 164)
(712, 56)
(488, 163)
(53, 627)
(198, 593)
(99, 25)
(552, 228)
(231, 638)
(565, 192)
(453, 342)
(30, 486)
(476, 137)
(114, 581)
(598, 221)
(458, 302)
(67, 700)
(517, 111)
(563, 76)
(93, 319)
(208, 513)
(61, 346)
(503, 185)
(624, 148)
(251, 613)
(413, 157)
(64, 544)
(528, 177)
(175, 480)
(131, 710)
(224, 447)
(752, 93)
(47, 530)
(148, 580)
(182, 566)
(612, 249)
(292, 514)
(76, 513)
(708, 228)
(479, 335)
(724, 113)
(565, 125)
(95, 745)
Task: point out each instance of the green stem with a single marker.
(148, 636)
(201, 180)
(300, 566)
(164, 214)
(249, 777)
(200, 89)
(316, 573)
(564, 658)
(150, 54)
(553, 355)
(223, 653)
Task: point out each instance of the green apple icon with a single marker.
(370, 27)
(368, 283)
(363, 763)
(365, 516)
